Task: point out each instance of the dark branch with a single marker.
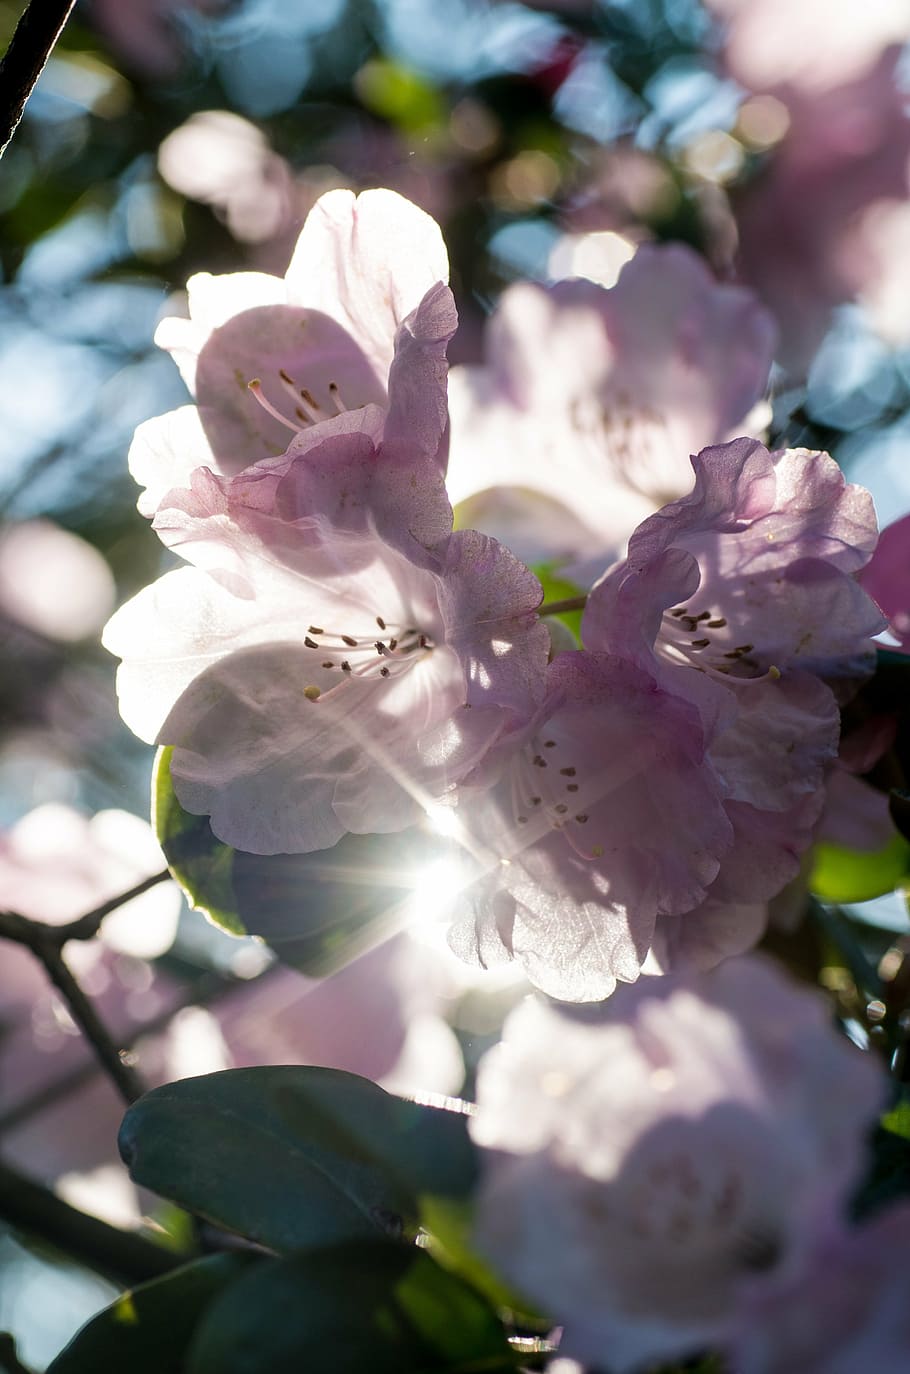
(113, 1059)
(46, 943)
(36, 1211)
(32, 44)
(25, 931)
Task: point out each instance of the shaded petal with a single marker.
(164, 452)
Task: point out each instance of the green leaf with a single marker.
(316, 910)
(201, 864)
(294, 1157)
(556, 588)
(852, 875)
(147, 1330)
(380, 1306)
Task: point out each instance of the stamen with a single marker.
(340, 406)
(350, 641)
(315, 630)
(380, 622)
(327, 663)
(384, 672)
(718, 624)
(256, 387)
(310, 643)
(312, 693)
(700, 643)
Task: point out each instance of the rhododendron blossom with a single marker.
(647, 1162)
(591, 401)
(886, 578)
(698, 732)
(849, 1310)
(337, 658)
(268, 357)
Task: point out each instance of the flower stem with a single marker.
(571, 603)
(31, 46)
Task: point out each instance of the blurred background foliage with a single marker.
(167, 138)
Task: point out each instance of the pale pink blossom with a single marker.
(268, 357)
(337, 659)
(646, 1163)
(742, 598)
(887, 579)
(604, 818)
(591, 400)
(848, 1311)
(810, 222)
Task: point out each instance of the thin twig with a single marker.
(113, 1059)
(37, 1211)
(46, 943)
(26, 931)
(31, 46)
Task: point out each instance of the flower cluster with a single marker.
(341, 655)
(338, 658)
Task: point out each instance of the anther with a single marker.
(680, 610)
(522, 820)
(345, 666)
(700, 643)
(310, 643)
(539, 762)
(380, 648)
(549, 744)
(567, 772)
(327, 663)
(380, 622)
(703, 615)
(347, 639)
(312, 693)
(315, 630)
(561, 808)
(581, 818)
(393, 643)
(535, 801)
(571, 786)
(718, 624)
(423, 642)
(744, 648)
(384, 672)
(309, 398)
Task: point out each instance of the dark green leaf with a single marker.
(371, 1308)
(292, 1156)
(201, 864)
(313, 909)
(147, 1330)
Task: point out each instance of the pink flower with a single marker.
(689, 743)
(591, 400)
(887, 579)
(848, 1311)
(647, 1162)
(749, 581)
(604, 818)
(336, 659)
(810, 222)
(268, 357)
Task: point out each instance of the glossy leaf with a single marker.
(292, 1156)
(201, 864)
(315, 909)
(379, 1307)
(147, 1330)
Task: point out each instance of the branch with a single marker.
(31, 46)
(46, 943)
(26, 931)
(124, 1257)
